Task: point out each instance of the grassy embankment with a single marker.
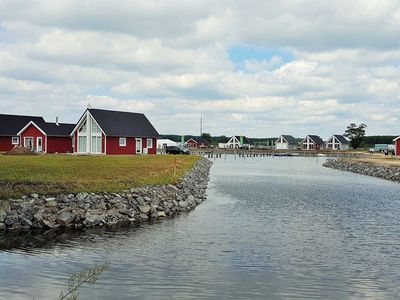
(56, 174)
(378, 159)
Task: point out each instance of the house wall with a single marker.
(5, 143)
(113, 147)
(59, 144)
(32, 131)
(397, 148)
(191, 144)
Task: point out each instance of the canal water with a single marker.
(271, 228)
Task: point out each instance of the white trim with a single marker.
(87, 112)
(29, 124)
(12, 140)
(41, 144)
(147, 143)
(122, 139)
(136, 145)
(398, 138)
(33, 140)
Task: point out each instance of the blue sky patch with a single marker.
(239, 54)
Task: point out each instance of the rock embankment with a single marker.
(386, 172)
(107, 209)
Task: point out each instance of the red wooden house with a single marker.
(10, 125)
(196, 142)
(43, 137)
(397, 146)
(113, 132)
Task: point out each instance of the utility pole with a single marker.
(201, 125)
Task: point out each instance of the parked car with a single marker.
(176, 150)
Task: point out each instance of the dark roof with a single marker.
(52, 129)
(245, 140)
(316, 139)
(198, 140)
(10, 125)
(341, 139)
(123, 124)
(290, 139)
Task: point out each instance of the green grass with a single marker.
(56, 174)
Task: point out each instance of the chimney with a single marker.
(57, 121)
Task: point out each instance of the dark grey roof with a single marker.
(290, 139)
(245, 140)
(10, 125)
(342, 139)
(123, 124)
(316, 139)
(52, 129)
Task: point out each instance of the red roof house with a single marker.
(44, 137)
(113, 132)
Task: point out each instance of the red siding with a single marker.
(103, 143)
(59, 144)
(6, 143)
(398, 147)
(32, 131)
(75, 142)
(153, 150)
(113, 146)
(192, 144)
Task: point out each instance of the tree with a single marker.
(207, 137)
(355, 134)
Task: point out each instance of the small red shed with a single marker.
(43, 137)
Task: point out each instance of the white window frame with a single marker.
(13, 140)
(122, 142)
(147, 143)
(33, 142)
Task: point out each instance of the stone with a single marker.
(183, 204)
(3, 216)
(190, 198)
(127, 212)
(81, 196)
(145, 209)
(16, 206)
(143, 217)
(26, 222)
(50, 224)
(161, 214)
(65, 218)
(11, 220)
(50, 199)
(35, 196)
(51, 204)
(2, 226)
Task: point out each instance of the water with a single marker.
(276, 228)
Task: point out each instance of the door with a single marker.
(39, 144)
(28, 143)
(138, 146)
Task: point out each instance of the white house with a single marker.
(286, 142)
(337, 142)
(312, 142)
(237, 142)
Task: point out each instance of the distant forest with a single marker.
(368, 141)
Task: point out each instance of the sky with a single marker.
(254, 68)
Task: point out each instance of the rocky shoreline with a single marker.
(363, 168)
(88, 210)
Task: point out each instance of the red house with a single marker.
(10, 125)
(43, 137)
(113, 132)
(397, 146)
(197, 142)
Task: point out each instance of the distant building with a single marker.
(162, 143)
(197, 142)
(397, 146)
(286, 142)
(237, 141)
(337, 142)
(312, 142)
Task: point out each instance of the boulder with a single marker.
(26, 222)
(3, 216)
(65, 218)
(145, 209)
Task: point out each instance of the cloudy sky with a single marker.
(256, 68)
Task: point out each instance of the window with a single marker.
(95, 128)
(122, 142)
(15, 140)
(82, 129)
(82, 144)
(149, 143)
(96, 144)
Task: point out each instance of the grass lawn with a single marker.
(379, 159)
(56, 174)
